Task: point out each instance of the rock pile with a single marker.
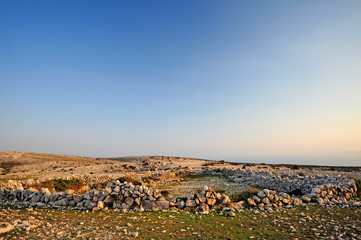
(270, 198)
(124, 196)
(202, 202)
(320, 189)
(116, 195)
(331, 194)
(23, 184)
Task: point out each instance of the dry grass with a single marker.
(194, 184)
(67, 224)
(131, 178)
(60, 185)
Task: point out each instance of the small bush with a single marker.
(234, 163)
(248, 193)
(132, 167)
(60, 185)
(137, 183)
(296, 192)
(130, 177)
(240, 196)
(146, 180)
(295, 167)
(221, 191)
(164, 193)
(97, 186)
(358, 185)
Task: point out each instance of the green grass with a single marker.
(60, 185)
(194, 183)
(169, 225)
(241, 196)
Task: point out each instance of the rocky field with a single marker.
(310, 222)
(45, 196)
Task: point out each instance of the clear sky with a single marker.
(266, 81)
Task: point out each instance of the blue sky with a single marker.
(248, 80)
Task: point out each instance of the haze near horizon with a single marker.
(275, 82)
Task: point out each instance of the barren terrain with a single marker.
(176, 178)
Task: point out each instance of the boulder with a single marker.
(162, 204)
(108, 199)
(251, 202)
(129, 201)
(180, 204)
(148, 205)
(78, 198)
(225, 199)
(190, 203)
(261, 194)
(211, 201)
(203, 208)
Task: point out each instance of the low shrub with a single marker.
(60, 185)
(137, 183)
(221, 191)
(130, 177)
(295, 167)
(164, 193)
(248, 193)
(146, 180)
(358, 185)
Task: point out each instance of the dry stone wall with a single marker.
(322, 189)
(124, 196)
(116, 195)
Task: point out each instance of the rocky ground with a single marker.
(23, 165)
(266, 214)
(194, 183)
(310, 222)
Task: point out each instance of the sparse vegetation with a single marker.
(137, 183)
(164, 193)
(60, 185)
(358, 185)
(213, 163)
(295, 167)
(183, 225)
(8, 165)
(177, 182)
(249, 192)
(131, 178)
(220, 190)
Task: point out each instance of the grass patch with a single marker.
(221, 191)
(248, 193)
(60, 185)
(195, 183)
(184, 225)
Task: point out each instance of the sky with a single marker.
(251, 81)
